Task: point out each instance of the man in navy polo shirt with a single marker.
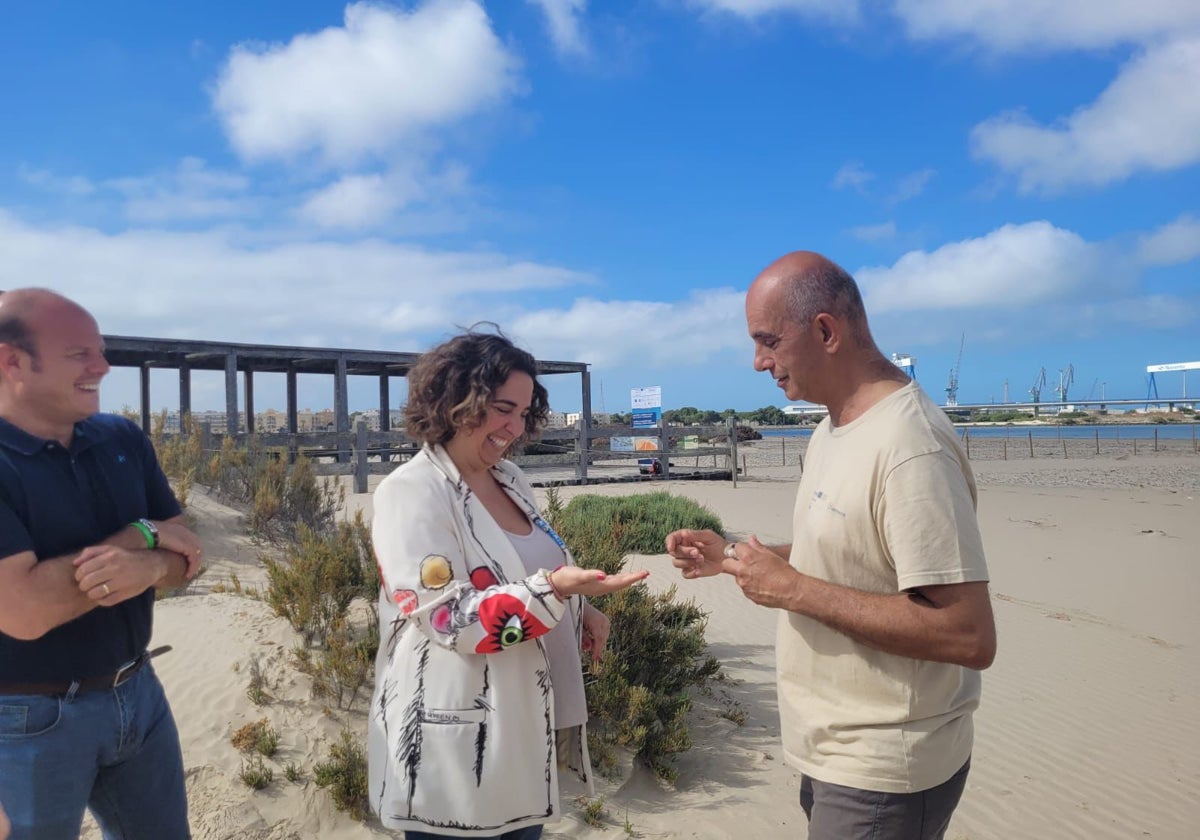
(89, 528)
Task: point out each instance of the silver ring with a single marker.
(107, 592)
(731, 550)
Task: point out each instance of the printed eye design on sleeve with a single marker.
(436, 572)
(506, 622)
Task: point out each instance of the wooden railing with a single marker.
(362, 453)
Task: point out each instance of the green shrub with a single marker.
(255, 774)
(181, 456)
(320, 575)
(592, 810)
(246, 739)
(256, 691)
(278, 498)
(284, 499)
(640, 693)
(1003, 416)
(347, 662)
(268, 742)
(345, 774)
(638, 524)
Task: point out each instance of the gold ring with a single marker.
(107, 592)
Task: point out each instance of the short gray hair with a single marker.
(827, 287)
(14, 328)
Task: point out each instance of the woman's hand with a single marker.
(595, 631)
(572, 580)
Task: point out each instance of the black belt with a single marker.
(104, 682)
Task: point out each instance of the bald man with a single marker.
(89, 528)
(884, 615)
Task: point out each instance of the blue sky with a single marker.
(604, 180)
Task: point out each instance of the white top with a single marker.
(539, 551)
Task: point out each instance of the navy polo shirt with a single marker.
(55, 501)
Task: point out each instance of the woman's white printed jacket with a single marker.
(461, 735)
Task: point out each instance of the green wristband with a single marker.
(146, 533)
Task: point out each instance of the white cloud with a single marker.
(1147, 119)
(1017, 285)
(380, 81)
(853, 175)
(563, 19)
(874, 233)
(360, 201)
(1012, 267)
(75, 185)
(610, 333)
(1173, 244)
(367, 201)
(835, 10)
(911, 185)
(216, 285)
(191, 192)
(1008, 25)
(1157, 312)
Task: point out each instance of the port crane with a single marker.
(906, 363)
(952, 387)
(1152, 386)
(1038, 384)
(1066, 377)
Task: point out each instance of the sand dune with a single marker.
(1089, 727)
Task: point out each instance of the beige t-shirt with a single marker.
(886, 503)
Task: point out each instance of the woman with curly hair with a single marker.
(478, 676)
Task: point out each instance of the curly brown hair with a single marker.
(450, 386)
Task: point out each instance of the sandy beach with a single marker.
(1089, 726)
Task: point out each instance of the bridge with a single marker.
(1168, 404)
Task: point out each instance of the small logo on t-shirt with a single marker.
(821, 502)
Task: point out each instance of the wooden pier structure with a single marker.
(342, 450)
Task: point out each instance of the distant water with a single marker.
(1111, 431)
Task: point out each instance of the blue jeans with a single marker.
(533, 832)
(115, 752)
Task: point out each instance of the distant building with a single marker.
(599, 418)
(270, 421)
(805, 410)
(371, 417)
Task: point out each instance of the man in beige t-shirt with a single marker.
(884, 615)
